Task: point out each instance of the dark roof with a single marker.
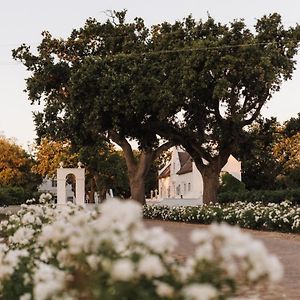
(166, 172)
(183, 158)
(187, 167)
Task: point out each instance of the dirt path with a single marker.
(285, 246)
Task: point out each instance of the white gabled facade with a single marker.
(181, 178)
(49, 185)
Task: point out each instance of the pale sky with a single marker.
(23, 21)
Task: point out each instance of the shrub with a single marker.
(12, 195)
(279, 217)
(230, 184)
(264, 196)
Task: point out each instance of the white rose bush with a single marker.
(283, 217)
(69, 253)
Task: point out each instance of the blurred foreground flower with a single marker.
(72, 253)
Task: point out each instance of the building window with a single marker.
(184, 188)
(178, 189)
(54, 183)
(189, 187)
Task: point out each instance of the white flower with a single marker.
(48, 281)
(199, 236)
(197, 291)
(120, 214)
(12, 257)
(26, 296)
(4, 223)
(93, 261)
(156, 239)
(28, 218)
(122, 270)
(151, 266)
(164, 290)
(22, 236)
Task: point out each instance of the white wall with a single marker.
(233, 167)
(194, 178)
(46, 186)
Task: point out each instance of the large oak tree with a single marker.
(195, 83)
(228, 73)
(94, 88)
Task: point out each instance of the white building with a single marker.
(181, 178)
(49, 185)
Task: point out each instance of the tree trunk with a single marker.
(102, 194)
(137, 189)
(210, 185)
(138, 168)
(137, 175)
(91, 193)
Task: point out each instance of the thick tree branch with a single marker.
(254, 116)
(164, 147)
(124, 144)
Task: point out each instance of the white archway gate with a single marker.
(79, 174)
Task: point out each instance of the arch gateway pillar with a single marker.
(79, 174)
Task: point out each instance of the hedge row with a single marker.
(13, 195)
(283, 217)
(264, 196)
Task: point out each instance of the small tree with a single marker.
(16, 165)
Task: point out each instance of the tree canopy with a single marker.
(94, 87)
(270, 156)
(228, 73)
(16, 165)
(194, 83)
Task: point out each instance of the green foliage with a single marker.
(106, 167)
(270, 155)
(292, 126)
(13, 195)
(265, 196)
(287, 153)
(259, 165)
(230, 184)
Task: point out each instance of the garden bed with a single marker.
(284, 217)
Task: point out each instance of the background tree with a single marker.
(270, 155)
(287, 153)
(260, 167)
(50, 153)
(15, 166)
(228, 73)
(105, 167)
(292, 126)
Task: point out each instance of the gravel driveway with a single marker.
(286, 246)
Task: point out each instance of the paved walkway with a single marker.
(285, 246)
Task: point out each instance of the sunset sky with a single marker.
(23, 22)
